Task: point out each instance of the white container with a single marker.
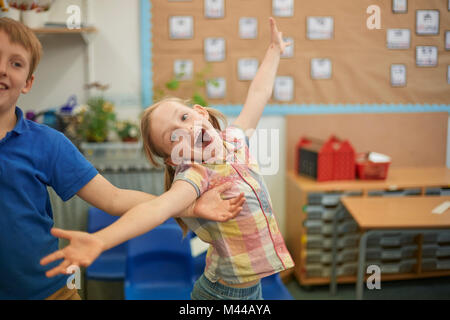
(12, 13)
(34, 19)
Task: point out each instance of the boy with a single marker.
(32, 157)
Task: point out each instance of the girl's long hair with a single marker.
(155, 156)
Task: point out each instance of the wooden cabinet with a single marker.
(310, 207)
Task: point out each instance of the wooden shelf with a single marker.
(60, 30)
(384, 277)
(298, 188)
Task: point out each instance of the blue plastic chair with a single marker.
(274, 289)
(159, 265)
(110, 265)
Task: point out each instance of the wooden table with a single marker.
(404, 214)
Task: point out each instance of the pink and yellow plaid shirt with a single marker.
(250, 246)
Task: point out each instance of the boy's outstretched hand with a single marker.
(211, 206)
(83, 249)
(277, 36)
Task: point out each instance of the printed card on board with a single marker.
(283, 88)
(288, 51)
(427, 22)
(181, 27)
(398, 75)
(283, 8)
(214, 49)
(320, 28)
(321, 68)
(248, 28)
(214, 9)
(398, 38)
(400, 6)
(426, 56)
(216, 88)
(247, 68)
(183, 69)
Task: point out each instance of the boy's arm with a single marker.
(261, 87)
(84, 248)
(103, 195)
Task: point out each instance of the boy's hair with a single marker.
(152, 153)
(19, 33)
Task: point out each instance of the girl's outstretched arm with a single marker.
(261, 87)
(84, 248)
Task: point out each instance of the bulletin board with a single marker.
(360, 59)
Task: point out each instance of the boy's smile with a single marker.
(14, 68)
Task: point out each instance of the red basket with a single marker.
(368, 170)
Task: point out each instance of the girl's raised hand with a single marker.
(277, 36)
(83, 249)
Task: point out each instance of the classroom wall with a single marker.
(117, 62)
(116, 57)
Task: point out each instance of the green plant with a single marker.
(95, 120)
(127, 130)
(196, 86)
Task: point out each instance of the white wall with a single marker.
(116, 58)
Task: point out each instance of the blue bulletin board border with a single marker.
(270, 110)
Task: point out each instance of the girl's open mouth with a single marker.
(203, 139)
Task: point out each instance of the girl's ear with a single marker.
(201, 110)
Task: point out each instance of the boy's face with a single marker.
(14, 68)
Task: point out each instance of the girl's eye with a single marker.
(17, 64)
(184, 117)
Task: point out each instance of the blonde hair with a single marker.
(19, 33)
(152, 153)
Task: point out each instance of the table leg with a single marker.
(361, 265)
(333, 280)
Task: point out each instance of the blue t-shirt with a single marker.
(32, 157)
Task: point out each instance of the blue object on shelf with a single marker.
(159, 265)
(274, 289)
(110, 265)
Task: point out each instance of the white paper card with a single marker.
(427, 22)
(320, 28)
(447, 40)
(398, 75)
(181, 27)
(248, 28)
(183, 69)
(426, 56)
(216, 88)
(214, 9)
(283, 88)
(288, 51)
(398, 38)
(214, 49)
(247, 68)
(321, 68)
(283, 8)
(440, 209)
(400, 6)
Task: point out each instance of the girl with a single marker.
(197, 157)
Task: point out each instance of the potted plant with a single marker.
(96, 119)
(128, 131)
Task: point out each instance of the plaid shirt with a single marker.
(250, 246)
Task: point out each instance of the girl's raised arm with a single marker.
(261, 87)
